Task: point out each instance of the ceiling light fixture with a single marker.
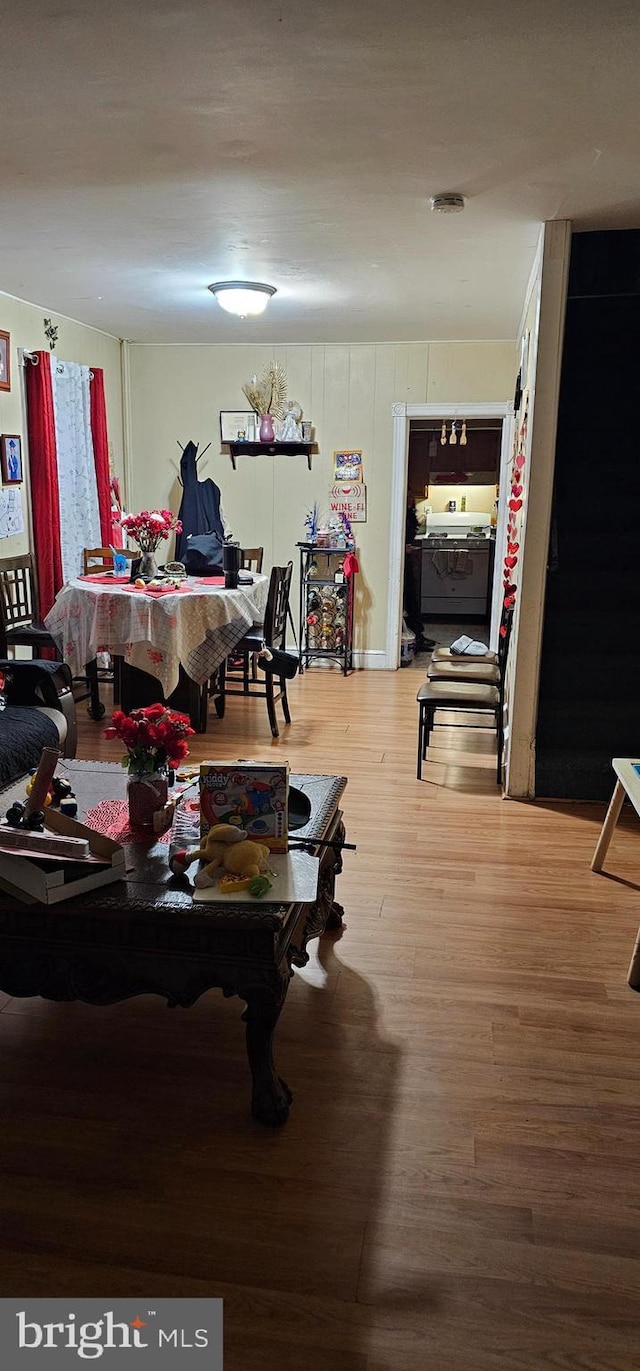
(242, 297)
(449, 202)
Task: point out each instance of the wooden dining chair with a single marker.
(240, 664)
(21, 625)
(270, 634)
(466, 696)
(251, 559)
(101, 558)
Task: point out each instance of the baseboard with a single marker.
(370, 661)
(362, 661)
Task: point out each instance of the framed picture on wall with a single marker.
(5, 360)
(347, 466)
(11, 459)
(234, 422)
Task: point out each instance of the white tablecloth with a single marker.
(197, 628)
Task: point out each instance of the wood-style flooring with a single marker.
(458, 1187)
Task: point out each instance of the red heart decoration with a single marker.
(509, 601)
(510, 562)
(516, 490)
(513, 547)
(510, 589)
(515, 505)
(503, 631)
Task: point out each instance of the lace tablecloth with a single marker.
(197, 628)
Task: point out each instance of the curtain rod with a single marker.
(34, 359)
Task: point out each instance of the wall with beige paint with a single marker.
(346, 391)
(76, 343)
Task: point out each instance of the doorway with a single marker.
(453, 460)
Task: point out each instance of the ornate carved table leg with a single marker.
(271, 1096)
(335, 913)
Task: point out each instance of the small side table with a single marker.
(628, 783)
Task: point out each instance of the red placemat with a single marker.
(210, 581)
(158, 590)
(102, 578)
(111, 817)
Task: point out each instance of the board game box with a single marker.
(253, 795)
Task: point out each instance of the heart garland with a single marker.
(514, 506)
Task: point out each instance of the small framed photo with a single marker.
(237, 426)
(5, 360)
(11, 459)
(347, 466)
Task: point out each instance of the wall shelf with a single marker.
(238, 449)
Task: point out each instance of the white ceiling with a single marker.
(149, 147)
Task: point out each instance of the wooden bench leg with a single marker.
(611, 819)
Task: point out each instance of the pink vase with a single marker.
(267, 433)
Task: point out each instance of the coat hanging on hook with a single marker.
(200, 505)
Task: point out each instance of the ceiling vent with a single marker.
(447, 203)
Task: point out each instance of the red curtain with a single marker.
(43, 470)
(101, 452)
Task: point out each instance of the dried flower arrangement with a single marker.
(268, 395)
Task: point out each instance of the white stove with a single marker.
(460, 529)
(450, 584)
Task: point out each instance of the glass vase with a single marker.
(146, 795)
(148, 565)
(267, 433)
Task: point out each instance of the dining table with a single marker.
(168, 632)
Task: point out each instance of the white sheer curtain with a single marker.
(79, 511)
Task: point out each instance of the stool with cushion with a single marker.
(468, 669)
(444, 654)
(465, 696)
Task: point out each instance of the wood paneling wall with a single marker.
(346, 391)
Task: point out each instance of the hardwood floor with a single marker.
(458, 1187)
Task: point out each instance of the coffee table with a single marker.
(145, 935)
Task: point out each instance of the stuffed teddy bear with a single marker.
(224, 846)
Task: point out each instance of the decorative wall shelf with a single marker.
(238, 449)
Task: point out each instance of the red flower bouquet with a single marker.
(155, 738)
(149, 528)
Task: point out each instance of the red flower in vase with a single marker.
(150, 527)
(155, 737)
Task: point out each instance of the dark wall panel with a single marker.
(589, 709)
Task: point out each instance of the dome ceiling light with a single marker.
(449, 202)
(242, 297)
